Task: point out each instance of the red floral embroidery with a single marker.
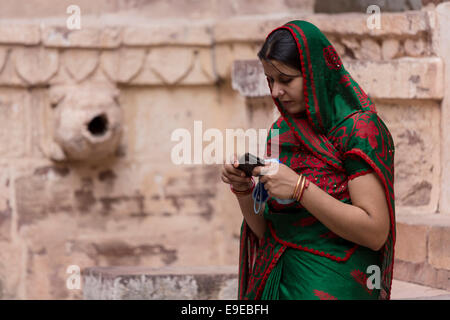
(305, 222)
(363, 98)
(264, 256)
(323, 295)
(345, 79)
(367, 130)
(332, 58)
(297, 161)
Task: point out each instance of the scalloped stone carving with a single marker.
(80, 63)
(171, 65)
(122, 65)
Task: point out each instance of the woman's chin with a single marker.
(295, 110)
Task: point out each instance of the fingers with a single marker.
(261, 170)
(232, 175)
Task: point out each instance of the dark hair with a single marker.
(281, 46)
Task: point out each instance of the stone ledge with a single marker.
(171, 283)
(423, 76)
(18, 32)
(255, 28)
(107, 29)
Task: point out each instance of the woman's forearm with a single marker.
(256, 222)
(347, 221)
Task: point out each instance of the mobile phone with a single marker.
(248, 162)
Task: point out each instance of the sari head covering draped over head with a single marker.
(338, 138)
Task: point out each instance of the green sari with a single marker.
(338, 138)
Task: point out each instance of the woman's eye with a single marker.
(286, 81)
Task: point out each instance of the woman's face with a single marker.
(286, 85)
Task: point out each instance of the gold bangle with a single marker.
(296, 187)
(301, 189)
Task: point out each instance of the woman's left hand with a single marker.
(279, 180)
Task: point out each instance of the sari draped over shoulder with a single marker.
(338, 138)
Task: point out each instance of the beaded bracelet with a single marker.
(244, 192)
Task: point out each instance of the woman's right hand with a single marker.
(234, 176)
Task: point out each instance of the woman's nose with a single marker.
(277, 91)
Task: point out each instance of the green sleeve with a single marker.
(356, 165)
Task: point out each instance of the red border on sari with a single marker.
(360, 153)
(316, 252)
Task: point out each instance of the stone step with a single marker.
(168, 283)
(422, 250)
(195, 283)
(402, 290)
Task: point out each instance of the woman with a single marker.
(336, 241)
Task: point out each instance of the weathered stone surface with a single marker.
(11, 270)
(443, 38)
(370, 50)
(197, 34)
(41, 191)
(155, 9)
(390, 49)
(422, 273)
(14, 134)
(147, 109)
(411, 78)
(402, 290)
(6, 213)
(224, 60)
(13, 32)
(421, 249)
(415, 130)
(36, 65)
(415, 48)
(248, 78)
(86, 37)
(411, 243)
(352, 47)
(193, 283)
(80, 63)
(49, 254)
(439, 247)
(340, 6)
(40, 120)
(400, 24)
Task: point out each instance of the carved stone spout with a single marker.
(87, 123)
